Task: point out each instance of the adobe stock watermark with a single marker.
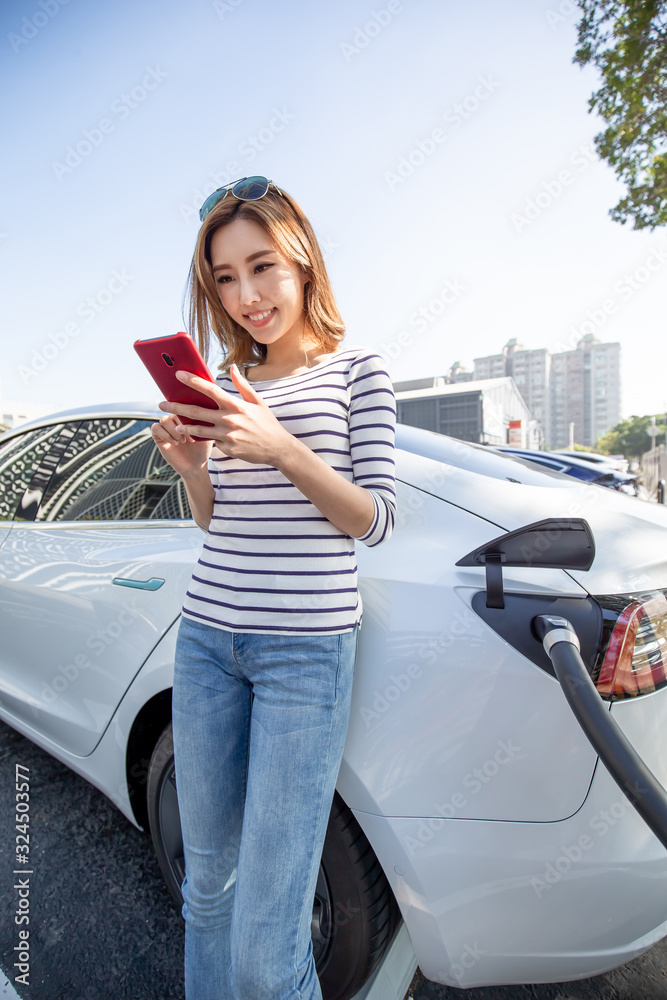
(382, 700)
(552, 189)
(88, 310)
(455, 115)
(364, 34)
(473, 782)
(469, 957)
(537, 543)
(246, 151)
(22, 859)
(121, 109)
(97, 642)
(420, 320)
(571, 854)
(429, 484)
(429, 652)
(624, 288)
(225, 7)
(562, 13)
(587, 494)
(31, 26)
(635, 582)
(328, 246)
(408, 513)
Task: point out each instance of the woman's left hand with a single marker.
(243, 427)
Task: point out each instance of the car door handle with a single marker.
(153, 584)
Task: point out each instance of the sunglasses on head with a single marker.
(245, 189)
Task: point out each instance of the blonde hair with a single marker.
(289, 229)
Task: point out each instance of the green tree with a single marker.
(630, 438)
(627, 41)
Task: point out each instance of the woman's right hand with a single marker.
(182, 452)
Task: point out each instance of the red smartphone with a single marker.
(165, 355)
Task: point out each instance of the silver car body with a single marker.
(512, 854)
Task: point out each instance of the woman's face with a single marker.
(258, 287)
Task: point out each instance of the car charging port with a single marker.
(617, 754)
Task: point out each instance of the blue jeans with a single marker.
(259, 725)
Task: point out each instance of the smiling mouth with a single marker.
(260, 316)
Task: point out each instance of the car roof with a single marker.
(140, 408)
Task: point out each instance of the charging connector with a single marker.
(617, 754)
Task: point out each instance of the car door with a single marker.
(93, 572)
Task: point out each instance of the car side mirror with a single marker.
(561, 543)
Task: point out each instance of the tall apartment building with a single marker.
(530, 371)
(585, 390)
(580, 387)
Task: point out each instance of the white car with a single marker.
(469, 803)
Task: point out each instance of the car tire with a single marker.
(355, 914)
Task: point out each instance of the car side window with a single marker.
(112, 470)
(20, 457)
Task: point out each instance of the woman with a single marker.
(299, 464)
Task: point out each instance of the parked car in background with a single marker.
(624, 482)
(614, 461)
(469, 802)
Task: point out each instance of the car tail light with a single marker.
(633, 653)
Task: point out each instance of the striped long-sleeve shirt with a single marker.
(271, 562)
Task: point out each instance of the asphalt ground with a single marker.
(103, 925)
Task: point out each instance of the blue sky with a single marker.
(442, 150)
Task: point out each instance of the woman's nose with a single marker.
(248, 292)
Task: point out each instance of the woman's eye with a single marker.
(223, 279)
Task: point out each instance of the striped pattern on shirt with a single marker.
(271, 562)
